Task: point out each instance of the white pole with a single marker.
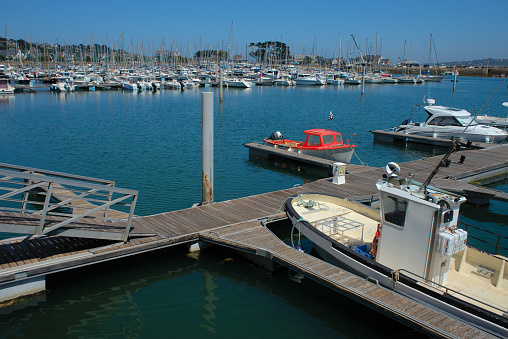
(454, 78)
(363, 80)
(207, 169)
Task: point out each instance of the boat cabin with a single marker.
(419, 231)
(448, 116)
(323, 138)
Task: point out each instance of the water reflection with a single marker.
(6, 98)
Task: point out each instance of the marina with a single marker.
(160, 230)
(236, 224)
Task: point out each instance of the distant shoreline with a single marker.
(491, 72)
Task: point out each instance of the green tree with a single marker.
(274, 50)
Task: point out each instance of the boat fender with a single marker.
(375, 241)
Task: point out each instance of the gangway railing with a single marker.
(40, 202)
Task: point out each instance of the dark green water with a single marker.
(152, 143)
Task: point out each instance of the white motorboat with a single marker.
(62, 84)
(352, 80)
(447, 122)
(335, 79)
(406, 79)
(130, 83)
(5, 87)
(284, 80)
(173, 84)
(238, 83)
(390, 80)
(411, 245)
(307, 80)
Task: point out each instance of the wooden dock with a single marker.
(25, 261)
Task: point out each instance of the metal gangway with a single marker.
(41, 202)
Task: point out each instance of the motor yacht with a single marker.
(447, 122)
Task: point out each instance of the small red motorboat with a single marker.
(322, 143)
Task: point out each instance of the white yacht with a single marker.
(238, 83)
(130, 83)
(284, 80)
(62, 84)
(447, 122)
(305, 79)
(5, 87)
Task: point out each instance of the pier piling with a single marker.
(207, 163)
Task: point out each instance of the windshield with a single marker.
(464, 121)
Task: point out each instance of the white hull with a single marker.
(337, 82)
(238, 84)
(337, 155)
(129, 86)
(280, 82)
(478, 133)
(307, 82)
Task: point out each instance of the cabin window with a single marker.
(314, 140)
(394, 210)
(445, 121)
(328, 139)
(338, 138)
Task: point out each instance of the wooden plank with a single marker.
(9, 256)
(25, 256)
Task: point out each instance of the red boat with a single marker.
(322, 143)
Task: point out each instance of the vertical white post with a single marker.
(220, 84)
(454, 78)
(363, 80)
(207, 169)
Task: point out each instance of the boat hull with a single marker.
(337, 154)
(474, 134)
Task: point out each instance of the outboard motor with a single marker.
(276, 136)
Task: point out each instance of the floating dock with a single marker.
(238, 224)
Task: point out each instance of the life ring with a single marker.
(374, 242)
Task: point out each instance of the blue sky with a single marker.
(462, 30)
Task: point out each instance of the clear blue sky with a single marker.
(462, 30)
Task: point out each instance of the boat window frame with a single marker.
(338, 138)
(395, 219)
(310, 140)
(438, 121)
(328, 136)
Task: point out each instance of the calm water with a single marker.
(151, 142)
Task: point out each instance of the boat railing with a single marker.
(41, 202)
(496, 245)
(349, 139)
(437, 287)
(339, 226)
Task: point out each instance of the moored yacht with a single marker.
(447, 122)
(305, 79)
(5, 87)
(238, 83)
